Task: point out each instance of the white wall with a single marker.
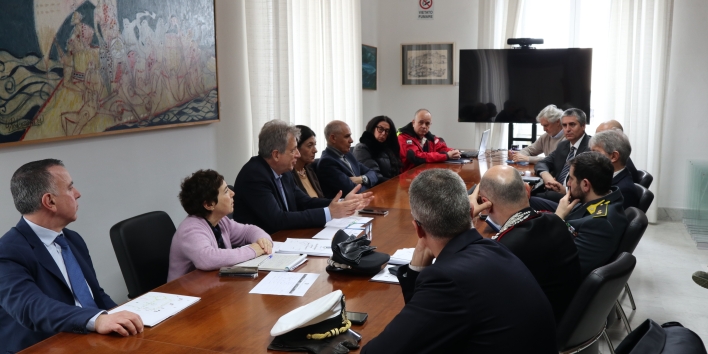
(685, 123)
(454, 21)
(370, 36)
(125, 175)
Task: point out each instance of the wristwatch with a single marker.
(364, 180)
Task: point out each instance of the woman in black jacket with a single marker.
(378, 148)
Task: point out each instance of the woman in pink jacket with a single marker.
(207, 239)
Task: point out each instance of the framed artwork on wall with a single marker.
(427, 64)
(85, 68)
(368, 67)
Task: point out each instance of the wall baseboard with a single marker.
(670, 214)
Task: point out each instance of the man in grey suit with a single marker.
(554, 168)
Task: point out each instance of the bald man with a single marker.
(541, 240)
(613, 124)
(419, 145)
(338, 169)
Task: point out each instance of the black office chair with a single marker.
(142, 246)
(645, 178)
(637, 224)
(585, 319)
(645, 197)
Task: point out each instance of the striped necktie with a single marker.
(566, 168)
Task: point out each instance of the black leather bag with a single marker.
(671, 337)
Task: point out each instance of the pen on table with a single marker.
(297, 284)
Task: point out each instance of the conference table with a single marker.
(229, 319)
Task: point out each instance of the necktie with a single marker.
(346, 162)
(282, 191)
(76, 276)
(217, 233)
(566, 168)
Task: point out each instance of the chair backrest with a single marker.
(636, 225)
(645, 178)
(645, 197)
(586, 315)
(142, 246)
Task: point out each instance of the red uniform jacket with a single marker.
(413, 153)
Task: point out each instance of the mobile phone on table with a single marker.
(373, 211)
(357, 318)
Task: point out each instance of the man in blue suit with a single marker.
(616, 147)
(267, 196)
(338, 169)
(47, 281)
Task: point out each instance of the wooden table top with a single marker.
(229, 319)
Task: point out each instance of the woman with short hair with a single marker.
(207, 239)
(378, 148)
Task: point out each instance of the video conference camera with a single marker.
(524, 43)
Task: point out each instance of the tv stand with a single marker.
(512, 138)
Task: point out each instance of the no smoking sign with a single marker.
(425, 10)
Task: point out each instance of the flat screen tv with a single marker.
(513, 85)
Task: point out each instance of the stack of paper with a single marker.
(154, 307)
(288, 284)
(311, 247)
(351, 222)
(385, 276)
(402, 256)
(328, 233)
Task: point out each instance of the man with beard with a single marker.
(593, 210)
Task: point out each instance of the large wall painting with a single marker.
(76, 68)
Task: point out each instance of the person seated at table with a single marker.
(615, 146)
(47, 281)
(477, 297)
(378, 148)
(419, 145)
(553, 169)
(550, 119)
(338, 170)
(207, 239)
(613, 124)
(266, 196)
(304, 173)
(540, 240)
(593, 210)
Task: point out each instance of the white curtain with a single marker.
(304, 63)
(498, 21)
(638, 56)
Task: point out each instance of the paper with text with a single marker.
(288, 284)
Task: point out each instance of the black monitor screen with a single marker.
(513, 85)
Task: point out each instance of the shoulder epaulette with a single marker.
(599, 209)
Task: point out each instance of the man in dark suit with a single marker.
(593, 210)
(47, 281)
(554, 168)
(477, 297)
(613, 124)
(615, 145)
(338, 169)
(540, 240)
(267, 197)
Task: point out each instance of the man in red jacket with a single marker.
(419, 146)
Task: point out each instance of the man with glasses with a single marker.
(540, 240)
(338, 169)
(47, 281)
(476, 298)
(419, 145)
